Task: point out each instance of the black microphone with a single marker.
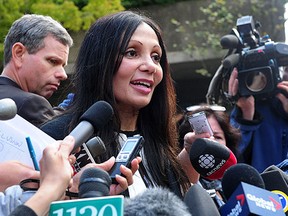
(276, 181)
(93, 119)
(231, 60)
(199, 202)
(8, 109)
(210, 158)
(94, 182)
(155, 201)
(94, 147)
(94, 188)
(243, 186)
(229, 42)
(278, 169)
(238, 173)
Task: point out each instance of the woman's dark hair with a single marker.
(98, 60)
(232, 135)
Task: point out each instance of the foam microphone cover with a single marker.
(199, 202)
(98, 114)
(155, 201)
(229, 42)
(238, 173)
(210, 158)
(8, 109)
(274, 179)
(276, 168)
(94, 182)
(95, 118)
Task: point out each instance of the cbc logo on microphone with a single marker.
(206, 161)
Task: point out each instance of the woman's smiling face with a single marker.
(140, 70)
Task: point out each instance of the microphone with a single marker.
(93, 119)
(238, 173)
(155, 201)
(199, 202)
(231, 60)
(244, 188)
(8, 109)
(94, 182)
(96, 146)
(229, 41)
(94, 187)
(210, 158)
(276, 181)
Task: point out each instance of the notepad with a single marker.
(13, 144)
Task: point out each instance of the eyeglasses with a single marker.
(212, 107)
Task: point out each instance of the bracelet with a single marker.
(71, 194)
(30, 184)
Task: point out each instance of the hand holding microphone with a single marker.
(122, 181)
(210, 158)
(94, 196)
(96, 117)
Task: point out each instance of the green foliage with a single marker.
(9, 11)
(74, 15)
(80, 3)
(103, 7)
(141, 3)
(66, 13)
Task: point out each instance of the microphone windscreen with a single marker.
(231, 60)
(95, 118)
(210, 158)
(94, 182)
(238, 173)
(229, 41)
(8, 109)
(155, 201)
(280, 171)
(104, 111)
(199, 202)
(274, 179)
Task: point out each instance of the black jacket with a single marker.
(32, 107)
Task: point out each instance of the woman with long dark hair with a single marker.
(123, 61)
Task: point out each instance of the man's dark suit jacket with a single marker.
(32, 107)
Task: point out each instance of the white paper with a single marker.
(13, 144)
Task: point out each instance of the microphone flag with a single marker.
(251, 200)
(100, 206)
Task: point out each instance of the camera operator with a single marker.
(263, 124)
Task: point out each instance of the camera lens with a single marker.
(256, 81)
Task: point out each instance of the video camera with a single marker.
(257, 60)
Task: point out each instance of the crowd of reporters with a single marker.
(128, 69)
